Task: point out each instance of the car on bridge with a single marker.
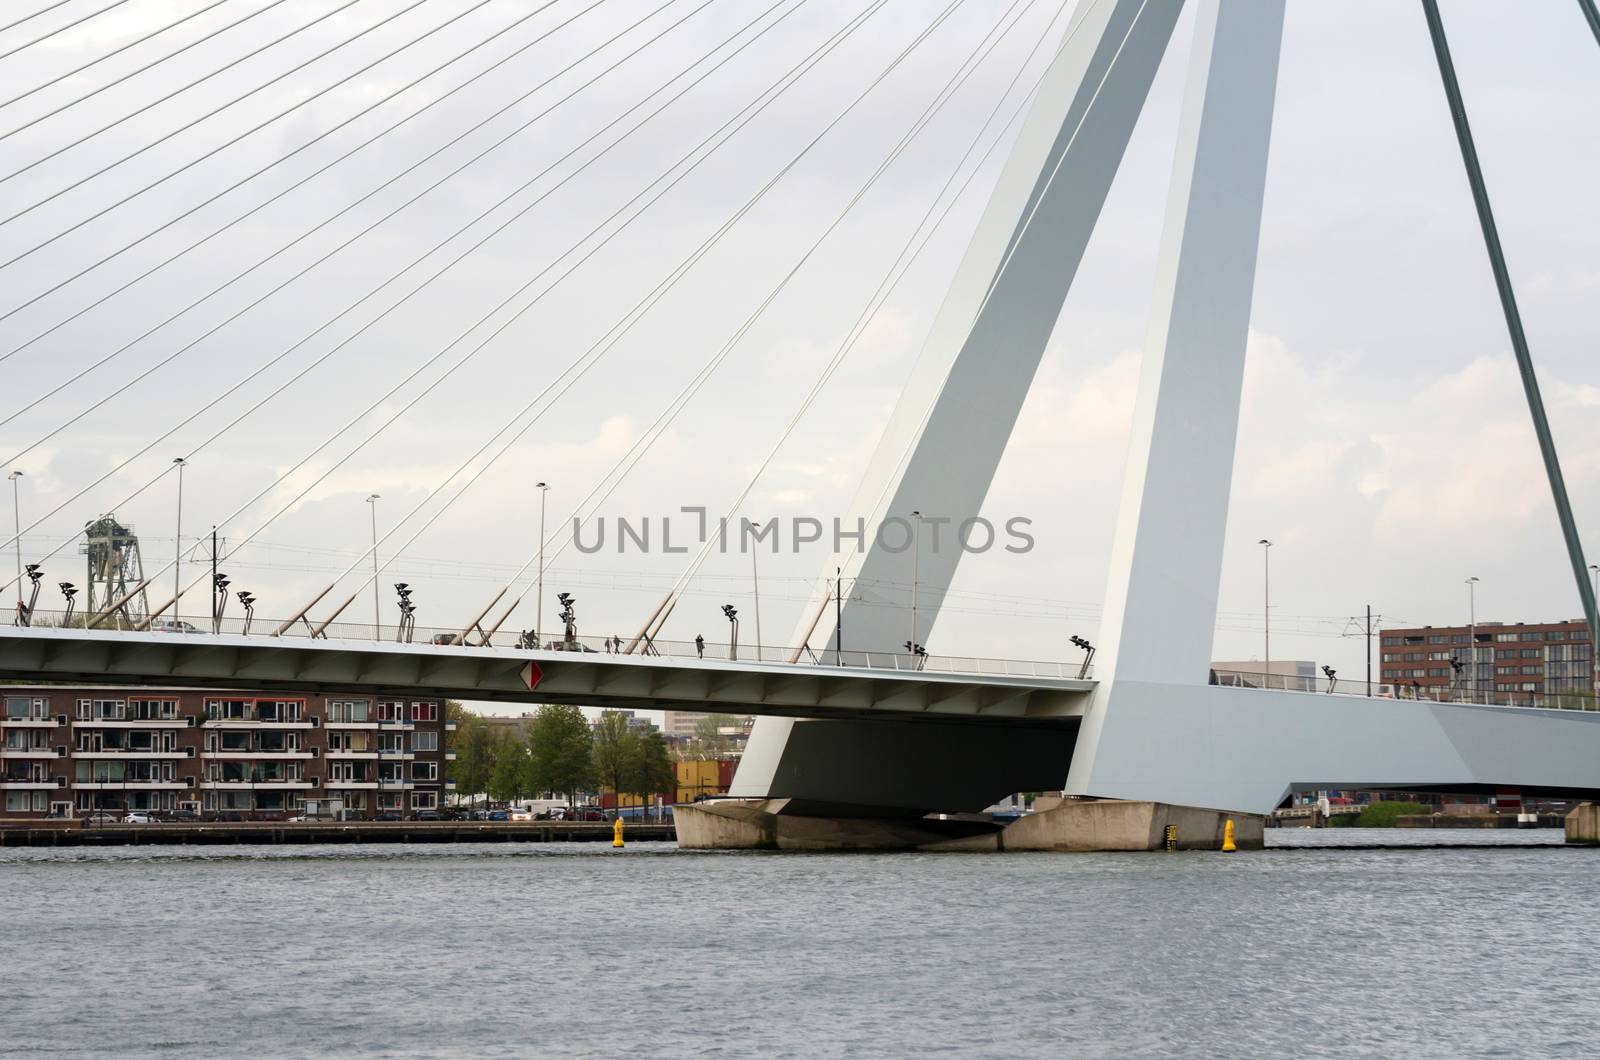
(169, 625)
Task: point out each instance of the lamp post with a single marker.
(377, 623)
(1266, 610)
(755, 586)
(544, 491)
(1472, 633)
(916, 557)
(16, 509)
(732, 615)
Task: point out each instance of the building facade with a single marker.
(77, 750)
(1491, 658)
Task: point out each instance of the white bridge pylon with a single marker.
(1153, 728)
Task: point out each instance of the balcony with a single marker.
(362, 785)
(257, 723)
(133, 723)
(47, 722)
(395, 785)
(130, 785)
(395, 754)
(399, 724)
(265, 756)
(350, 724)
(298, 784)
(28, 752)
(32, 783)
(350, 756)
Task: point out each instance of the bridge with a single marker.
(888, 730)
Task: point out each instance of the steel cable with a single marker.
(59, 29)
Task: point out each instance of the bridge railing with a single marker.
(709, 650)
(1569, 700)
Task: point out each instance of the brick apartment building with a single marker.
(1541, 658)
(81, 749)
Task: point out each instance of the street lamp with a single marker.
(68, 590)
(1266, 609)
(916, 556)
(408, 610)
(1472, 633)
(219, 589)
(732, 615)
(569, 618)
(377, 621)
(177, 556)
(544, 491)
(16, 508)
(1088, 654)
(249, 602)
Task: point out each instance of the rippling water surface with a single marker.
(519, 950)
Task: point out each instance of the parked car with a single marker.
(519, 814)
(168, 625)
(426, 815)
(587, 813)
(102, 817)
(141, 817)
(445, 639)
(389, 815)
(183, 815)
(499, 815)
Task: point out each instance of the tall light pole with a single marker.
(16, 509)
(544, 491)
(1266, 609)
(755, 585)
(177, 556)
(377, 624)
(916, 557)
(1472, 632)
(1594, 649)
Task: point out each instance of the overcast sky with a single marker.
(1384, 445)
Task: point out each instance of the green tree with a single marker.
(509, 780)
(616, 745)
(476, 743)
(650, 770)
(708, 739)
(560, 751)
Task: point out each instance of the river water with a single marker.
(578, 950)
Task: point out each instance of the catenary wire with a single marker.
(59, 29)
(811, 60)
(209, 35)
(96, 365)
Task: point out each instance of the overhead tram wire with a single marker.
(147, 372)
(279, 159)
(29, 18)
(59, 29)
(981, 51)
(725, 132)
(897, 271)
(325, 356)
(747, 113)
(209, 35)
(319, 93)
(639, 309)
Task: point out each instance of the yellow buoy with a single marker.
(616, 832)
(1227, 837)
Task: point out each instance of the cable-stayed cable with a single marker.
(36, 14)
(715, 141)
(278, 160)
(147, 372)
(815, 57)
(59, 29)
(209, 35)
(319, 93)
(630, 459)
(631, 318)
(927, 226)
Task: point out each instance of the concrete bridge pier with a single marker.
(1075, 826)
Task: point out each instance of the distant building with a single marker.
(1295, 675)
(77, 750)
(1548, 658)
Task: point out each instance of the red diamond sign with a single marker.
(531, 675)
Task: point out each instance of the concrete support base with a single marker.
(1078, 826)
(1583, 824)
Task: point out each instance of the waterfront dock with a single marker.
(76, 833)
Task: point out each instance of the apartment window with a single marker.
(390, 800)
(1390, 656)
(1419, 673)
(348, 710)
(424, 770)
(1438, 638)
(227, 709)
(1413, 640)
(390, 710)
(424, 712)
(1439, 671)
(1529, 670)
(1505, 671)
(1505, 636)
(1557, 634)
(425, 741)
(1530, 653)
(424, 800)
(152, 709)
(1460, 638)
(1414, 656)
(1439, 656)
(1505, 653)
(1535, 635)
(26, 801)
(24, 708)
(100, 709)
(1529, 686)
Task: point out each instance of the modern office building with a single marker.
(1539, 658)
(75, 750)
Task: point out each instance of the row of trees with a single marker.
(558, 751)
